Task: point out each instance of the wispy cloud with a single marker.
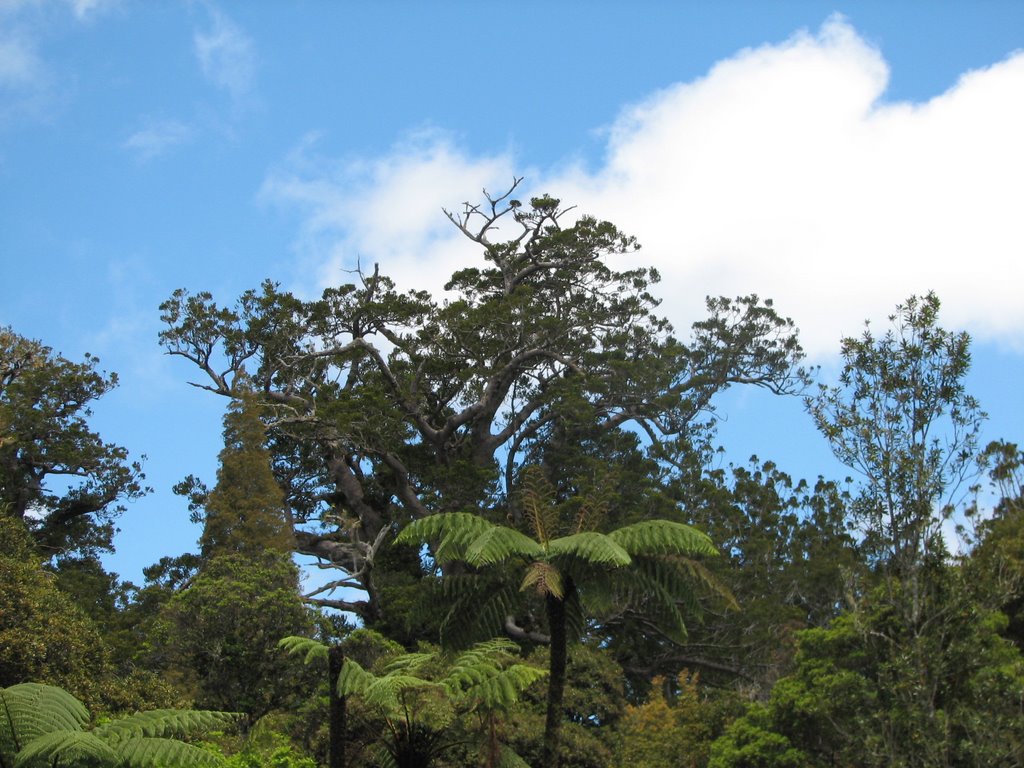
(19, 63)
(781, 172)
(157, 138)
(226, 55)
(86, 9)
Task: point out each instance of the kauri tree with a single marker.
(385, 407)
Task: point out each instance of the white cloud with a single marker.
(781, 172)
(157, 137)
(226, 55)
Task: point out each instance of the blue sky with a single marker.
(834, 156)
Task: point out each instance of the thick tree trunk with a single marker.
(336, 710)
(556, 678)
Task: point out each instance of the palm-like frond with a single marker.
(29, 710)
(478, 610)
(313, 650)
(591, 547)
(442, 525)
(353, 679)
(67, 749)
(158, 753)
(164, 724)
(499, 544)
(662, 537)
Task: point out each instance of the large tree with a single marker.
(56, 474)
(385, 406)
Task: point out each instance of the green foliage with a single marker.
(901, 417)
(245, 514)
(663, 733)
(872, 690)
(421, 697)
(42, 725)
(221, 633)
(51, 463)
(384, 407)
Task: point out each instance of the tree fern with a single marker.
(41, 725)
(311, 650)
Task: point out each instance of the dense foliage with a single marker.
(512, 493)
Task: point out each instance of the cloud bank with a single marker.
(781, 172)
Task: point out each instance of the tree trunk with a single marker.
(556, 677)
(336, 710)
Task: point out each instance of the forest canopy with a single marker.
(532, 557)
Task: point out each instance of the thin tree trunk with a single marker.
(336, 710)
(556, 678)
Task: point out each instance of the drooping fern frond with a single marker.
(42, 726)
(312, 650)
(67, 749)
(595, 548)
(663, 537)
(499, 544)
(544, 579)
(158, 753)
(478, 609)
(164, 724)
(29, 710)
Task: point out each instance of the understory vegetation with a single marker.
(528, 553)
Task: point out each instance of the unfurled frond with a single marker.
(539, 508)
(410, 663)
(498, 544)
(67, 749)
(487, 676)
(158, 753)
(29, 710)
(502, 689)
(597, 548)
(663, 537)
(164, 724)
(312, 650)
(462, 525)
(544, 578)
(353, 679)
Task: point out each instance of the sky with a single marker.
(836, 157)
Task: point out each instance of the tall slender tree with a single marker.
(225, 624)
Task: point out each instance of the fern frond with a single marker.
(386, 692)
(164, 724)
(663, 537)
(591, 547)
(67, 749)
(477, 614)
(545, 579)
(29, 710)
(314, 650)
(157, 753)
(500, 543)
(410, 662)
(353, 679)
(442, 525)
(501, 690)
